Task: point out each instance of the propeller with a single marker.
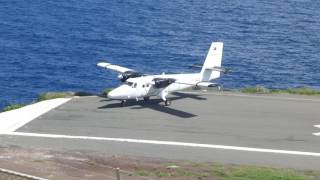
(194, 66)
(222, 69)
(129, 74)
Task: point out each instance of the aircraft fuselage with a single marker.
(141, 87)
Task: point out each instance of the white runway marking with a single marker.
(169, 143)
(317, 134)
(13, 120)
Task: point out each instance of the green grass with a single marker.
(257, 89)
(54, 95)
(299, 91)
(143, 173)
(303, 91)
(106, 91)
(41, 97)
(259, 173)
(152, 173)
(229, 172)
(13, 107)
(47, 96)
(162, 174)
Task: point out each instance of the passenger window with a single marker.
(143, 86)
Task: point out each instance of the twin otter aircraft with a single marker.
(140, 86)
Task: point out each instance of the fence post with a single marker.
(118, 173)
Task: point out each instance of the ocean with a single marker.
(54, 45)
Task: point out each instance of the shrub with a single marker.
(13, 107)
(54, 95)
(106, 91)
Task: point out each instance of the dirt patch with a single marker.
(94, 166)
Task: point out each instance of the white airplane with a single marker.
(141, 87)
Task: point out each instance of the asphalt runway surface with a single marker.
(266, 130)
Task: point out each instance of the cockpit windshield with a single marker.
(128, 83)
(131, 84)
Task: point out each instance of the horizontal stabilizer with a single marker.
(220, 69)
(206, 84)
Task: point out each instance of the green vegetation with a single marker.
(44, 96)
(47, 96)
(143, 173)
(13, 107)
(303, 91)
(257, 89)
(299, 91)
(54, 95)
(258, 173)
(106, 91)
(153, 173)
(229, 172)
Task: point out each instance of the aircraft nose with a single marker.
(120, 93)
(113, 94)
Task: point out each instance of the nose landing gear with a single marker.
(123, 103)
(167, 102)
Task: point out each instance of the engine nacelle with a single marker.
(162, 83)
(129, 74)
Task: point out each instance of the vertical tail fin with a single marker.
(213, 60)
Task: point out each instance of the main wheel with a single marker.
(167, 102)
(146, 98)
(123, 103)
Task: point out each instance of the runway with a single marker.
(267, 130)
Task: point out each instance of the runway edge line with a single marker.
(169, 143)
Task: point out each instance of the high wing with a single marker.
(165, 82)
(116, 68)
(125, 73)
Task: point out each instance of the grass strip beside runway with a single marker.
(227, 172)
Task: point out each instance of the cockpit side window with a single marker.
(134, 85)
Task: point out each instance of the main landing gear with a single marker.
(167, 102)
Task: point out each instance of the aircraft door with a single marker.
(147, 87)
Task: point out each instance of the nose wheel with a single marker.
(167, 102)
(123, 102)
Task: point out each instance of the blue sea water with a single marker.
(54, 45)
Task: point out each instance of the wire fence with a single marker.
(13, 175)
